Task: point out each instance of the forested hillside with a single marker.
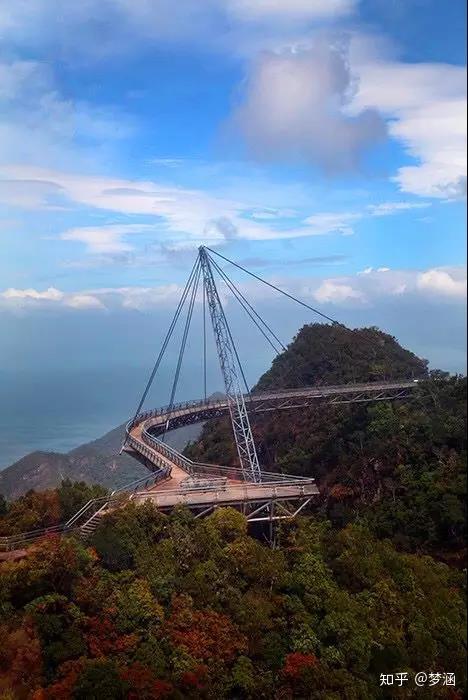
(171, 607)
(333, 354)
(400, 465)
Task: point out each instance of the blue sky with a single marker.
(321, 142)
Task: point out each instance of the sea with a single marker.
(56, 411)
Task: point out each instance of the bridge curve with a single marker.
(177, 480)
(143, 433)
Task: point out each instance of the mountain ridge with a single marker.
(94, 462)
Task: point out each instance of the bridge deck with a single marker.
(143, 431)
(232, 494)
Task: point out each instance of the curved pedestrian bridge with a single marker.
(174, 480)
(144, 433)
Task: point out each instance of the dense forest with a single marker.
(400, 466)
(171, 607)
(368, 584)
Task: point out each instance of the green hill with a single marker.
(325, 354)
(400, 465)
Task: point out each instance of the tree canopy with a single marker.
(200, 609)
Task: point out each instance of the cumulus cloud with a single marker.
(52, 297)
(84, 301)
(426, 106)
(336, 293)
(441, 282)
(446, 285)
(50, 294)
(294, 108)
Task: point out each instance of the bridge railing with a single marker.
(164, 410)
(153, 448)
(22, 539)
(144, 481)
(199, 468)
(258, 396)
(170, 452)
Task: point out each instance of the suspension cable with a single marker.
(204, 340)
(234, 289)
(166, 341)
(248, 307)
(185, 334)
(269, 284)
(238, 294)
(234, 347)
(371, 343)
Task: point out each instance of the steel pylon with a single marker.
(229, 367)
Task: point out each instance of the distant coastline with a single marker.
(59, 411)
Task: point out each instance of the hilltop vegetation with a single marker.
(38, 509)
(400, 465)
(171, 607)
(325, 354)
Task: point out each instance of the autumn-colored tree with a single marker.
(21, 667)
(143, 685)
(30, 512)
(104, 639)
(205, 634)
(207, 611)
(296, 664)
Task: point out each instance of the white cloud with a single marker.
(302, 101)
(84, 301)
(121, 26)
(442, 282)
(106, 239)
(23, 299)
(426, 106)
(182, 218)
(389, 208)
(185, 217)
(444, 285)
(331, 292)
(50, 294)
(142, 298)
(29, 194)
(339, 222)
(294, 108)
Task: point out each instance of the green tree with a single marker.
(99, 680)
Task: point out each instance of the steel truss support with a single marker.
(266, 511)
(229, 367)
